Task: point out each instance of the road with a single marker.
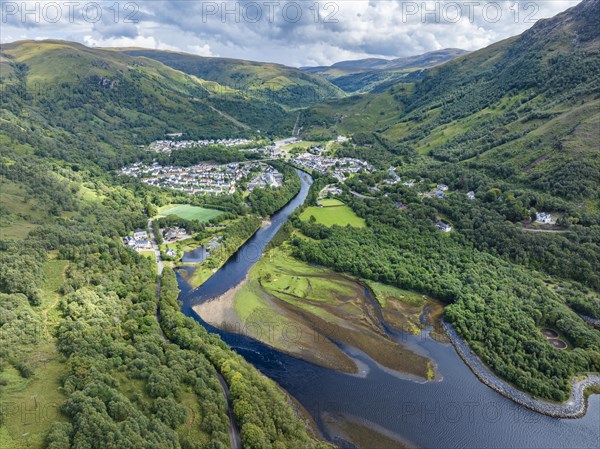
(550, 231)
(234, 431)
(358, 195)
(159, 263)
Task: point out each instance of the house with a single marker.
(471, 195)
(129, 241)
(171, 252)
(214, 243)
(140, 234)
(544, 218)
(444, 227)
(143, 244)
(442, 187)
(331, 190)
(440, 194)
(174, 233)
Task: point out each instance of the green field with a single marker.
(17, 213)
(292, 281)
(384, 292)
(305, 145)
(188, 212)
(333, 212)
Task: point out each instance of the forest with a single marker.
(124, 384)
(497, 302)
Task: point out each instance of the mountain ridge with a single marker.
(375, 74)
(528, 103)
(67, 91)
(287, 86)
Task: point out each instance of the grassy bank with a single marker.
(234, 236)
(305, 310)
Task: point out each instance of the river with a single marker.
(455, 411)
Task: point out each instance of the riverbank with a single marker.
(390, 402)
(575, 407)
(235, 237)
(312, 313)
(219, 312)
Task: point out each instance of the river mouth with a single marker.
(456, 411)
(319, 331)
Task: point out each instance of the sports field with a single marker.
(333, 212)
(188, 212)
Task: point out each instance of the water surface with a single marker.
(456, 411)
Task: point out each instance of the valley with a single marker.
(202, 252)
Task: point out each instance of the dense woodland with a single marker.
(265, 416)
(125, 384)
(497, 305)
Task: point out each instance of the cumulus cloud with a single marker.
(290, 32)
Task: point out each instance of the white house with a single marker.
(444, 227)
(129, 241)
(143, 244)
(544, 218)
(140, 234)
(471, 195)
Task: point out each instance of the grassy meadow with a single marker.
(188, 212)
(333, 212)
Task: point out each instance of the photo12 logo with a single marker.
(68, 11)
(454, 12)
(253, 12)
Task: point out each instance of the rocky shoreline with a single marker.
(575, 407)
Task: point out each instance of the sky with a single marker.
(295, 33)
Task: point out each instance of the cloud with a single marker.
(291, 32)
(138, 41)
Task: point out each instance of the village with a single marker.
(341, 168)
(207, 178)
(167, 146)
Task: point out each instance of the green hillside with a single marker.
(61, 96)
(510, 130)
(523, 109)
(286, 86)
